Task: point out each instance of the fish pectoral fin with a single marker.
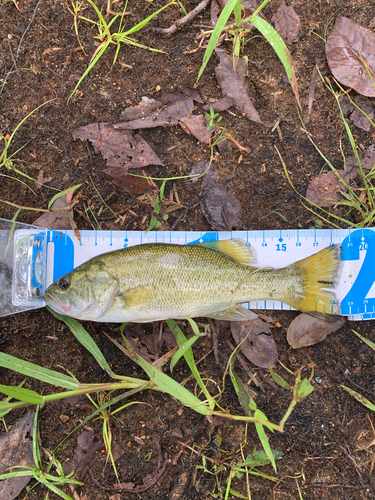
(236, 249)
(138, 295)
(237, 313)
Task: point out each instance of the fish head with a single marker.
(84, 293)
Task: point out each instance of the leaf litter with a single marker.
(306, 330)
(58, 219)
(326, 189)
(16, 448)
(350, 52)
(232, 83)
(259, 347)
(169, 109)
(287, 23)
(219, 206)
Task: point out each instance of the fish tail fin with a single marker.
(319, 271)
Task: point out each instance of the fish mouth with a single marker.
(58, 302)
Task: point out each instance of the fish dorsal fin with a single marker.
(236, 249)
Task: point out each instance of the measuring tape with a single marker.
(55, 253)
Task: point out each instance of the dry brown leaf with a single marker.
(325, 189)
(129, 183)
(121, 148)
(59, 219)
(162, 116)
(307, 330)
(287, 23)
(367, 159)
(197, 124)
(16, 448)
(220, 207)
(360, 119)
(350, 52)
(232, 85)
(221, 105)
(259, 348)
(201, 168)
(89, 447)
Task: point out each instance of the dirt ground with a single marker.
(327, 436)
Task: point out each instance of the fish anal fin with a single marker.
(238, 313)
(237, 249)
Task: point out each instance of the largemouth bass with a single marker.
(157, 281)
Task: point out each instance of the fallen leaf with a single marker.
(39, 181)
(325, 189)
(232, 85)
(129, 183)
(220, 207)
(367, 159)
(221, 105)
(360, 119)
(201, 168)
(350, 50)
(346, 106)
(59, 219)
(307, 330)
(162, 116)
(121, 148)
(16, 448)
(195, 94)
(89, 447)
(287, 23)
(197, 125)
(259, 348)
(151, 478)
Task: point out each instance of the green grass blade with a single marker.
(246, 401)
(143, 23)
(101, 18)
(278, 44)
(360, 398)
(90, 66)
(278, 379)
(367, 341)
(221, 22)
(164, 382)
(22, 394)
(189, 358)
(182, 350)
(23, 473)
(37, 372)
(263, 438)
(6, 407)
(85, 339)
(67, 191)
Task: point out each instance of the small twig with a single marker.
(193, 204)
(12, 56)
(19, 45)
(325, 485)
(198, 453)
(214, 340)
(242, 148)
(180, 22)
(312, 86)
(38, 209)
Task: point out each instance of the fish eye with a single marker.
(64, 283)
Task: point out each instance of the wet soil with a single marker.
(326, 446)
